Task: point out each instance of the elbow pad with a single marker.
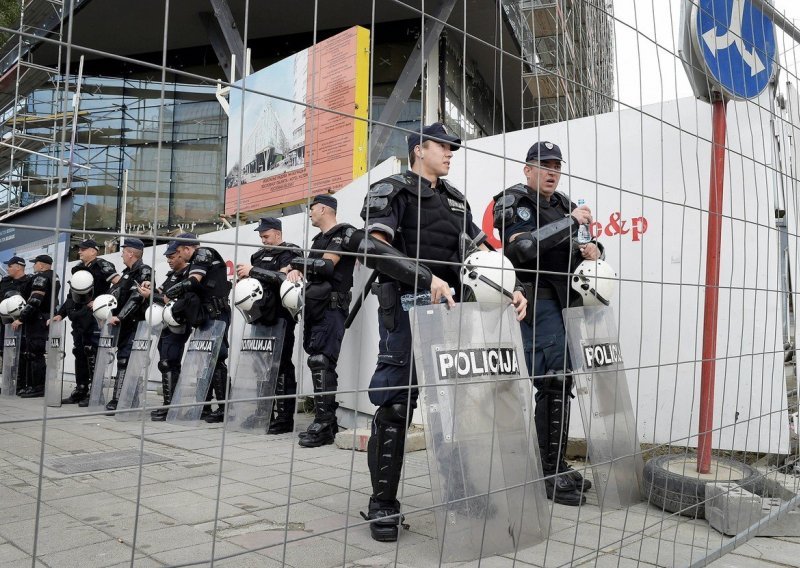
(525, 248)
(130, 306)
(30, 308)
(269, 277)
(315, 269)
(387, 260)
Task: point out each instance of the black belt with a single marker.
(544, 294)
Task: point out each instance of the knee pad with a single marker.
(554, 383)
(164, 366)
(318, 362)
(122, 363)
(393, 415)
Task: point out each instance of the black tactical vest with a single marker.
(342, 280)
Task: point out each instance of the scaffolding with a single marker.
(568, 61)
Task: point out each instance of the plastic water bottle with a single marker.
(408, 301)
(583, 236)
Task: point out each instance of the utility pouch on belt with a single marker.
(386, 292)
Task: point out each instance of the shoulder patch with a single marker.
(40, 283)
(381, 189)
(524, 213)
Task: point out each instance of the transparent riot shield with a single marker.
(132, 392)
(254, 382)
(475, 395)
(198, 367)
(605, 403)
(105, 368)
(54, 383)
(12, 343)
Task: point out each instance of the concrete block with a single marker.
(731, 510)
(344, 439)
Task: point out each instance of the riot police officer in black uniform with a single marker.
(538, 224)
(202, 298)
(130, 308)
(33, 320)
(329, 279)
(269, 266)
(78, 308)
(15, 283)
(172, 341)
(423, 217)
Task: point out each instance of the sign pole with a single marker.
(711, 309)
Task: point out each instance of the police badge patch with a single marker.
(524, 213)
(548, 145)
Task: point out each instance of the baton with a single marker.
(357, 306)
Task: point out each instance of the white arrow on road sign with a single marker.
(734, 37)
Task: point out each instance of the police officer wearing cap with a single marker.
(130, 308)
(269, 266)
(44, 288)
(413, 235)
(16, 282)
(173, 340)
(201, 298)
(329, 279)
(78, 308)
(538, 226)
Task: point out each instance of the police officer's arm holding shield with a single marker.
(539, 227)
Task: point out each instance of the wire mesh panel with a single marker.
(132, 391)
(12, 344)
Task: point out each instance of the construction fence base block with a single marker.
(730, 509)
(415, 439)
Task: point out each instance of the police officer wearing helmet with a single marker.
(173, 340)
(202, 298)
(130, 309)
(538, 225)
(14, 283)
(413, 238)
(78, 308)
(269, 266)
(33, 320)
(329, 277)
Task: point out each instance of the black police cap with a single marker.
(325, 199)
(268, 223)
(15, 260)
(542, 151)
(88, 244)
(435, 131)
(45, 258)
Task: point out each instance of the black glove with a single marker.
(180, 289)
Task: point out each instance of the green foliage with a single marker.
(9, 17)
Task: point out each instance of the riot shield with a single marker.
(198, 367)
(253, 385)
(55, 363)
(486, 475)
(104, 368)
(12, 342)
(134, 387)
(605, 403)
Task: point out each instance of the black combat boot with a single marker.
(219, 383)
(259, 420)
(160, 414)
(283, 422)
(119, 380)
(323, 430)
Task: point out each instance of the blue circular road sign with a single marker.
(736, 43)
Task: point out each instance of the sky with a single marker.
(647, 74)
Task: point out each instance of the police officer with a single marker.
(414, 226)
(78, 308)
(33, 320)
(172, 341)
(203, 298)
(329, 277)
(538, 225)
(269, 266)
(16, 282)
(130, 308)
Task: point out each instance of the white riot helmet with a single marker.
(246, 295)
(81, 286)
(174, 325)
(292, 297)
(11, 308)
(490, 275)
(595, 281)
(154, 315)
(102, 307)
